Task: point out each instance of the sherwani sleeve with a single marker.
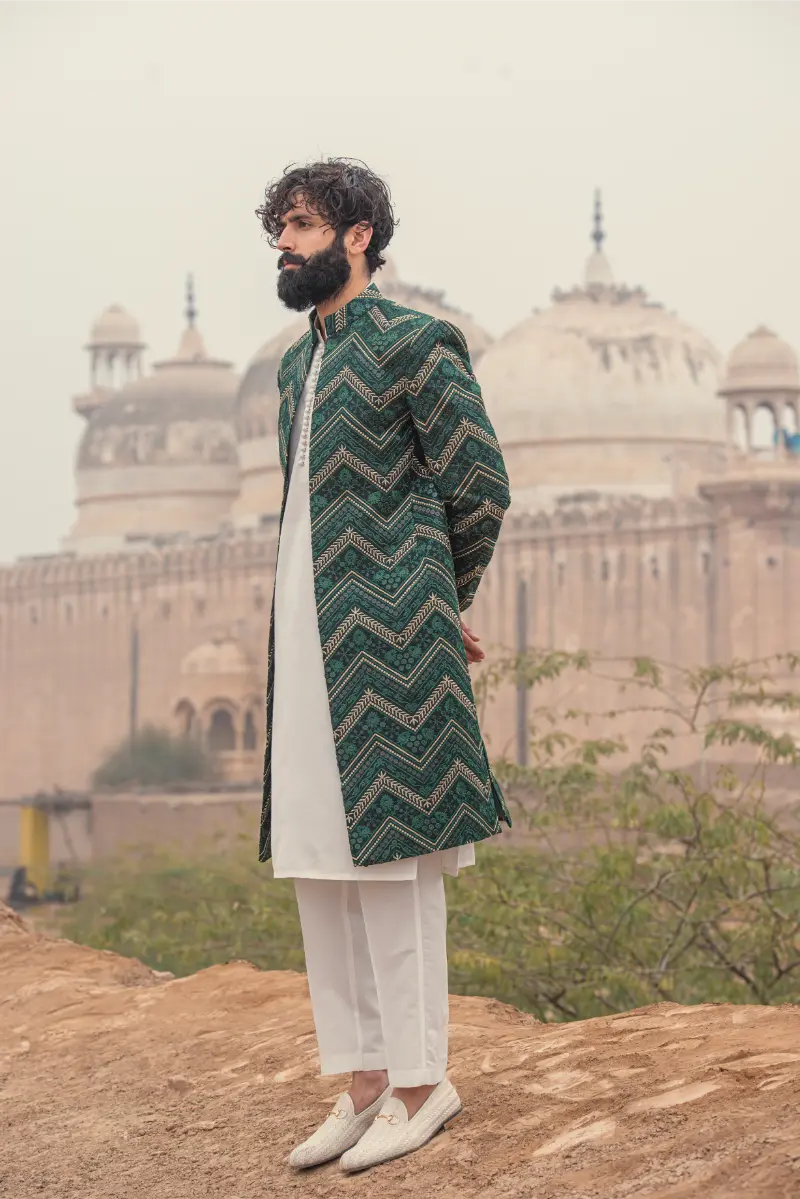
(462, 452)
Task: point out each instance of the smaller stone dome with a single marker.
(159, 456)
(221, 702)
(221, 656)
(115, 327)
(181, 413)
(761, 362)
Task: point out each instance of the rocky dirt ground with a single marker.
(115, 1083)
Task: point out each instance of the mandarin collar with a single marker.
(336, 322)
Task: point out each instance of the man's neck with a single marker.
(354, 287)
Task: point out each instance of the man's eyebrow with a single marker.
(298, 216)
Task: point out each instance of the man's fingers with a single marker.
(474, 652)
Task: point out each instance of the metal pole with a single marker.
(522, 690)
(134, 694)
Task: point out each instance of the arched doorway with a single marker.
(764, 431)
(186, 719)
(221, 735)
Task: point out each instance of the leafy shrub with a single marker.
(183, 914)
(153, 757)
(642, 882)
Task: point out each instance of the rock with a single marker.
(178, 1083)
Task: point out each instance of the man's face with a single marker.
(314, 263)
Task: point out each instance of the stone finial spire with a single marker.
(191, 310)
(192, 347)
(598, 233)
(598, 269)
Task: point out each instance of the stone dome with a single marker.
(602, 362)
(159, 456)
(761, 362)
(604, 390)
(115, 328)
(181, 413)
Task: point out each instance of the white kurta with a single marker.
(309, 832)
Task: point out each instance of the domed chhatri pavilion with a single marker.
(761, 388)
(655, 510)
(159, 455)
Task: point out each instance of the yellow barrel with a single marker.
(34, 830)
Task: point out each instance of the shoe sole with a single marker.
(442, 1128)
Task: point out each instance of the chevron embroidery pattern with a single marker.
(408, 489)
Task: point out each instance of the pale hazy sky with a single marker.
(136, 140)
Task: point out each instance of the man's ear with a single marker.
(361, 237)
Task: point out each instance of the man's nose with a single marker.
(286, 241)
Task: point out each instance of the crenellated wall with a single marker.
(619, 578)
(66, 633)
(686, 581)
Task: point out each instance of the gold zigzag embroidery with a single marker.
(351, 537)
(368, 589)
(425, 803)
(365, 661)
(424, 844)
(344, 456)
(445, 745)
(352, 501)
(410, 720)
(488, 507)
(355, 617)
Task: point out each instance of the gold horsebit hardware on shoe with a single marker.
(339, 1113)
(393, 1119)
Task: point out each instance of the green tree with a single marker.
(644, 882)
(153, 757)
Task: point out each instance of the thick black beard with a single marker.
(320, 278)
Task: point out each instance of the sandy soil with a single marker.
(116, 1082)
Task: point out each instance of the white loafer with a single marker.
(338, 1132)
(392, 1134)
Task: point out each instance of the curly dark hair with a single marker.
(342, 190)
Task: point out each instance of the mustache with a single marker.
(291, 260)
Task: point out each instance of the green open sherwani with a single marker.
(407, 492)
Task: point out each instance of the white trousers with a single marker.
(376, 958)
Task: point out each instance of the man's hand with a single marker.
(474, 652)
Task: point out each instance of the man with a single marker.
(376, 777)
